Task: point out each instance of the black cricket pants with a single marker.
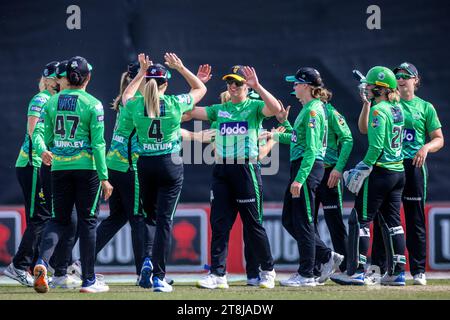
(413, 198)
(160, 181)
(298, 220)
(37, 215)
(331, 200)
(237, 188)
(80, 188)
(124, 206)
(381, 194)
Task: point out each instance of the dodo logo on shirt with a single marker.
(233, 128)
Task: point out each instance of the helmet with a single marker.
(381, 76)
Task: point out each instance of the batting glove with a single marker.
(354, 178)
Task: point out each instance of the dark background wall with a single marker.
(276, 37)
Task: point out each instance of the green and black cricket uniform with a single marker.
(124, 203)
(307, 139)
(237, 184)
(420, 120)
(36, 194)
(160, 167)
(382, 191)
(339, 147)
(74, 134)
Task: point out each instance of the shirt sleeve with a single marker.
(376, 134)
(259, 107)
(285, 137)
(184, 101)
(345, 139)
(38, 135)
(211, 112)
(36, 105)
(313, 143)
(98, 141)
(432, 120)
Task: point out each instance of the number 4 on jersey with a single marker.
(154, 131)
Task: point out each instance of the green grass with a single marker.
(436, 290)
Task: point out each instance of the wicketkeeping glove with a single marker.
(354, 178)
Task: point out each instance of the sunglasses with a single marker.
(237, 83)
(403, 76)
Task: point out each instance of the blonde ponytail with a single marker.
(321, 93)
(151, 98)
(124, 82)
(393, 96)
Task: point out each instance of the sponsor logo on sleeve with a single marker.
(100, 118)
(313, 113)
(184, 98)
(36, 108)
(294, 136)
(233, 128)
(341, 120)
(40, 100)
(375, 122)
(312, 123)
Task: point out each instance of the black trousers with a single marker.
(237, 188)
(37, 214)
(381, 194)
(298, 220)
(331, 200)
(160, 181)
(82, 189)
(413, 198)
(124, 206)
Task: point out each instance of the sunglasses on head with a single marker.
(403, 76)
(236, 82)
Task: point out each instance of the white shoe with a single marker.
(98, 286)
(393, 280)
(253, 282)
(75, 268)
(65, 282)
(50, 272)
(356, 279)
(161, 285)
(21, 276)
(330, 267)
(267, 279)
(316, 279)
(420, 279)
(212, 281)
(297, 280)
(372, 278)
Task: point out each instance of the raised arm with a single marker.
(133, 87)
(272, 106)
(198, 89)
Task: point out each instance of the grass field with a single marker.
(436, 290)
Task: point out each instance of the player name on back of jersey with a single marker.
(69, 144)
(156, 146)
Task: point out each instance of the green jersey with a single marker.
(385, 128)
(308, 137)
(27, 152)
(420, 120)
(339, 140)
(123, 153)
(159, 135)
(237, 127)
(74, 132)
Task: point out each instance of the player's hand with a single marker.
(204, 73)
(173, 62)
(251, 79)
(283, 114)
(107, 189)
(420, 157)
(265, 135)
(144, 63)
(187, 116)
(47, 158)
(334, 178)
(208, 135)
(363, 93)
(295, 189)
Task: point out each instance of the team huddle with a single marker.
(63, 168)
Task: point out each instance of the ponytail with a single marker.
(124, 82)
(151, 98)
(393, 95)
(42, 85)
(321, 93)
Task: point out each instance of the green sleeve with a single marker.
(260, 106)
(38, 135)
(376, 134)
(287, 125)
(36, 105)
(313, 144)
(285, 137)
(185, 102)
(345, 139)
(48, 130)
(98, 141)
(211, 112)
(432, 120)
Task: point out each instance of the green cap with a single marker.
(381, 76)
